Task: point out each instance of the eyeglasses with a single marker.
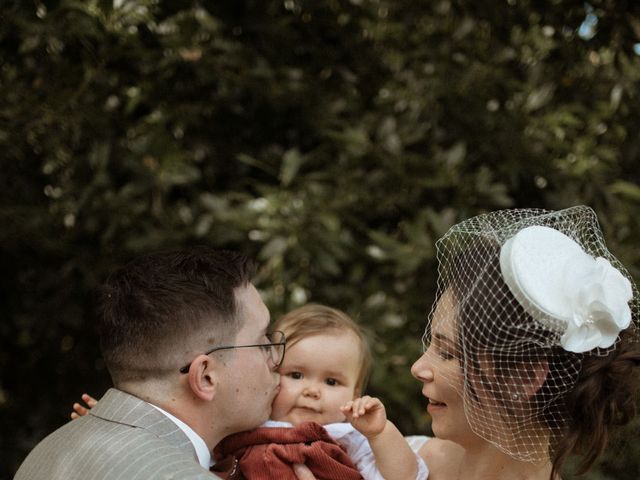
(274, 349)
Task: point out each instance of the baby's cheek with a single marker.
(278, 407)
(338, 417)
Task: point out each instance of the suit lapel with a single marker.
(118, 406)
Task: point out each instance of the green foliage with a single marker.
(335, 141)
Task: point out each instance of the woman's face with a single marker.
(441, 374)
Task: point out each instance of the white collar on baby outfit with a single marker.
(339, 430)
(335, 430)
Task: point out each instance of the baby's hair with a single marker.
(314, 319)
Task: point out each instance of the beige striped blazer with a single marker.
(122, 438)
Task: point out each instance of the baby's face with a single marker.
(318, 376)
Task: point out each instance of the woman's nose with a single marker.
(311, 391)
(421, 369)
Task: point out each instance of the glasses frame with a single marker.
(282, 342)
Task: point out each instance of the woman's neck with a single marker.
(484, 461)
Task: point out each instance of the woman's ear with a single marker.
(203, 377)
(525, 383)
(534, 374)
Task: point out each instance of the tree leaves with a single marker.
(334, 141)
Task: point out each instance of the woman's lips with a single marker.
(435, 406)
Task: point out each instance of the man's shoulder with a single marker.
(93, 448)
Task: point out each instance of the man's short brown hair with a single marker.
(157, 309)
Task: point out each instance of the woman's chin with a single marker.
(444, 432)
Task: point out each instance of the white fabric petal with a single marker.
(563, 287)
(580, 339)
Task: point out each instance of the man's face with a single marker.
(250, 381)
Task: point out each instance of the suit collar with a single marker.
(121, 407)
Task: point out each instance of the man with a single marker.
(184, 337)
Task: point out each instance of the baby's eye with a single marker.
(295, 375)
(331, 381)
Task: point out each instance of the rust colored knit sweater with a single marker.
(268, 453)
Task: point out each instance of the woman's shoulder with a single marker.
(438, 450)
(441, 456)
(416, 442)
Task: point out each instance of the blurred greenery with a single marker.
(335, 141)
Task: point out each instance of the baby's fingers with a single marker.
(362, 405)
(347, 407)
(89, 400)
(81, 410)
(78, 411)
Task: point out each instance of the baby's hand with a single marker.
(366, 414)
(80, 410)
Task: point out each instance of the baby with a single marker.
(322, 377)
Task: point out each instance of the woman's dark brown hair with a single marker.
(603, 398)
(490, 320)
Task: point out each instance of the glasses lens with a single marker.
(277, 348)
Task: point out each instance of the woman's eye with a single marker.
(295, 375)
(445, 355)
(331, 381)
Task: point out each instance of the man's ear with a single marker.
(203, 377)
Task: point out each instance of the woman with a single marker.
(531, 349)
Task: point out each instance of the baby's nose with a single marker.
(311, 391)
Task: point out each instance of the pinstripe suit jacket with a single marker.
(122, 438)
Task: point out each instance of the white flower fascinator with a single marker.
(565, 288)
(525, 296)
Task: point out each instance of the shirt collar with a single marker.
(202, 451)
(336, 430)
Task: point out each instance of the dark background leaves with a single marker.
(335, 141)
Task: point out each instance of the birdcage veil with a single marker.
(529, 293)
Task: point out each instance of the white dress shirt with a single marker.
(202, 451)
